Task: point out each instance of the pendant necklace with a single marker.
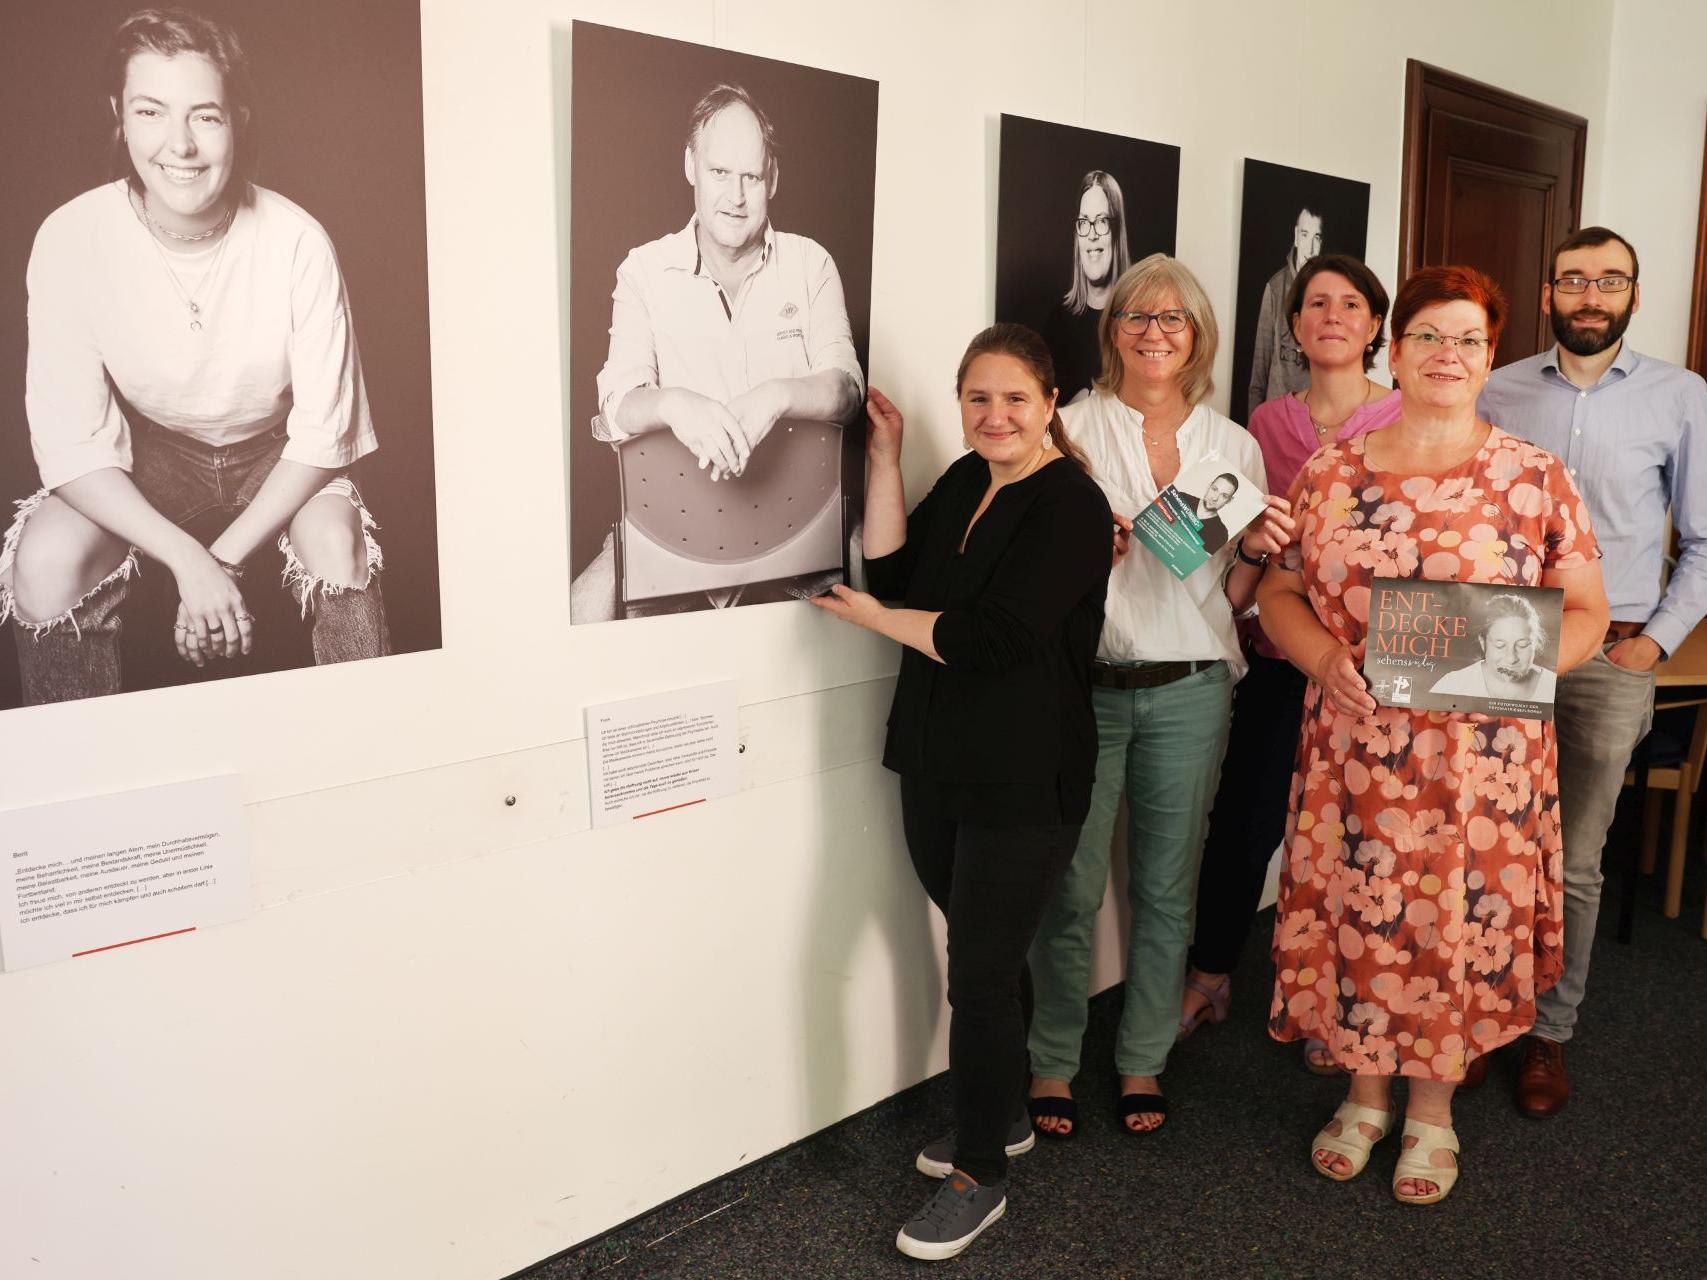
(188, 298)
(1323, 429)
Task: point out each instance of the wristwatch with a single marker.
(1259, 562)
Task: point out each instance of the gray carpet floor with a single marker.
(1614, 1186)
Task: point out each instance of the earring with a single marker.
(1048, 439)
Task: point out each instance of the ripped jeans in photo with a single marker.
(75, 654)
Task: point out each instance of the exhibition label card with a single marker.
(1463, 646)
(1204, 509)
(90, 875)
(665, 751)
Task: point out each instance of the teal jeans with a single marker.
(1162, 748)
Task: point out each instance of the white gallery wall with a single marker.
(1650, 174)
(458, 1034)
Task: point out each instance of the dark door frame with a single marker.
(1420, 77)
(1696, 351)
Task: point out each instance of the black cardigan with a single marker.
(1003, 725)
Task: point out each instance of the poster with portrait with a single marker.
(1207, 506)
(1464, 646)
(716, 250)
(1289, 216)
(214, 335)
(1074, 209)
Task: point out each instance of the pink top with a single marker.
(1283, 429)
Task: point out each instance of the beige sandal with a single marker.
(1414, 1162)
(1350, 1141)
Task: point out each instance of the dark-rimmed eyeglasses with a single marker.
(1135, 324)
(1580, 284)
(1435, 341)
(1098, 225)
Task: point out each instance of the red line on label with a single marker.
(683, 805)
(116, 945)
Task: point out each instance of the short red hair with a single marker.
(1427, 286)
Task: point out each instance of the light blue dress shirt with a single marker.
(1636, 444)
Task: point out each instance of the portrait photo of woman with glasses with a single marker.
(1075, 209)
(1100, 256)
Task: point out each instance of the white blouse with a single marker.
(1152, 615)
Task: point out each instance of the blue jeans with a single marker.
(1162, 749)
(76, 654)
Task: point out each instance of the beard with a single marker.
(1589, 342)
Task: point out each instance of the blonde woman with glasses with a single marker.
(1161, 688)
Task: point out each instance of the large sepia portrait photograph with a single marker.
(216, 442)
(1074, 209)
(1289, 216)
(717, 244)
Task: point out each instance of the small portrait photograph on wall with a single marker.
(1289, 216)
(216, 443)
(1074, 209)
(717, 255)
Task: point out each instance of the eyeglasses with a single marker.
(1099, 225)
(1580, 284)
(1135, 324)
(1435, 341)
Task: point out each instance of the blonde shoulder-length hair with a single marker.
(1138, 289)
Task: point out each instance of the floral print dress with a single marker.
(1421, 899)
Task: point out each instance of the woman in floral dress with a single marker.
(1421, 903)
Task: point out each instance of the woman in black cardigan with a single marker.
(1001, 571)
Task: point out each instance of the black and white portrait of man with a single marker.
(1289, 216)
(1207, 507)
(731, 344)
(1278, 367)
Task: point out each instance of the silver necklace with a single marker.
(189, 299)
(1323, 428)
(140, 205)
(179, 236)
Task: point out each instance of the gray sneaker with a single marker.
(960, 1209)
(937, 1159)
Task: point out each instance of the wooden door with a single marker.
(1697, 353)
(1492, 181)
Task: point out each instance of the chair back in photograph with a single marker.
(682, 531)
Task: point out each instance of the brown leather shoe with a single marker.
(1543, 1087)
(1477, 1071)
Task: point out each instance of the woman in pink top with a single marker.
(1337, 306)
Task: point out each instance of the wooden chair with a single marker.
(1677, 758)
(681, 532)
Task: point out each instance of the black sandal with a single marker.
(1141, 1104)
(1057, 1108)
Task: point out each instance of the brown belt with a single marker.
(1149, 676)
(1623, 631)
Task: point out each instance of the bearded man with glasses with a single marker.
(1631, 430)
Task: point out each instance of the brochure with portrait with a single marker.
(1463, 646)
(1204, 509)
